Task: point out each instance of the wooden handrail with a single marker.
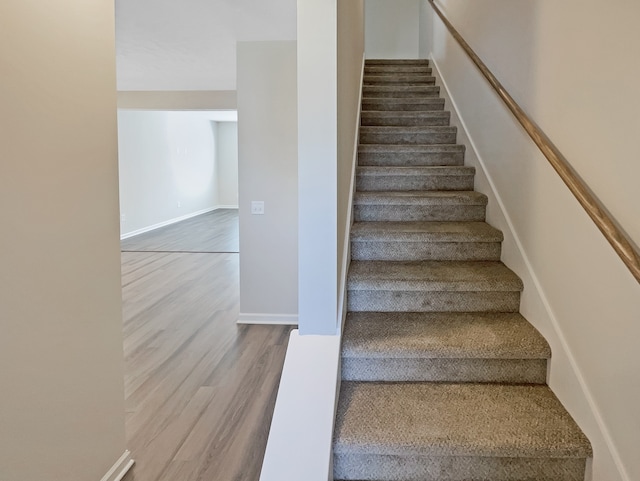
(614, 234)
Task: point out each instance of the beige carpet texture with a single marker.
(442, 377)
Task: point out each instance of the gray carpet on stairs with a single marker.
(442, 378)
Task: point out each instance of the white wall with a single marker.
(62, 401)
(391, 28)
(267, 167)
(317, 166)
(227, 163)
(169, 168)
(578, 87)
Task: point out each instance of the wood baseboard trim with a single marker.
(275, 319)
(120, 468)
(174, 220)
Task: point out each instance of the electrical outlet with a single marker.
(257, 207)
(178, 204)
(123, 217)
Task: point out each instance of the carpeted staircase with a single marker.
(442, 378)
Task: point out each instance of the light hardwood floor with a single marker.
(215, 231)
(199, 389)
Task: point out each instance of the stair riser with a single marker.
(397, 69)
(413, 159)
(424, 251)
(400, 61)
(399, 80)
(407, 137)
(391, 183)
(523, 371)
(401, 91)
(375, 119)
(455, 468)
(390, 213)
(439, 301)
(377, 92)
(416, 105)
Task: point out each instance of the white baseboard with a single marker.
(120, 468)
(275, 319)
(557, 331)
(174, 220)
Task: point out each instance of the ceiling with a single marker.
(191, 44)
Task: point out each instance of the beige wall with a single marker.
(267, 169)
(391, 28)
(61, 407)
(177, 99)
(572, 66)
(350, 57)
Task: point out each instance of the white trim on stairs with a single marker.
(174, 220)
(275, 319)
(300, 438)
(120, 468)
(346, 248)
(606, 435)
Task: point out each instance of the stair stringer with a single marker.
(563, 373)
(346, 242)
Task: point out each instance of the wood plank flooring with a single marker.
(199, 389)
(215, 231)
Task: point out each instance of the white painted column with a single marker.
(317, 166)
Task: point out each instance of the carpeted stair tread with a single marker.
(452, 205)
(407, 128)
(401, 118)
(441, 419)
(442, 347)
(401, 103)
(425, 232)
(400, 91)
(420, 198)
(408, 134)
(400, 335)
(436, 171)
(404, 72)
(393, 61)
(424, 178)
(450, 276)
(455, 468)
(375, 69)
(416, 149)
(399, 78)
(414, 241)
(410, 155)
